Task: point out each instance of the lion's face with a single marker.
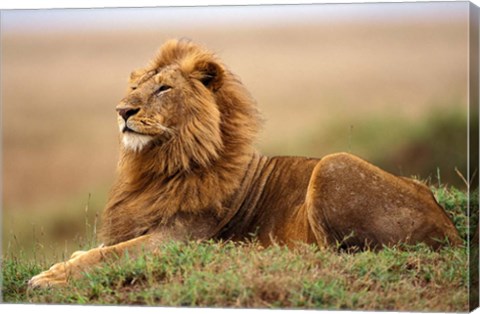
(170, 104)
(149, 111)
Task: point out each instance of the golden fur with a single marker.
(188, 170)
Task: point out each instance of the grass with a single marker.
(225, 274)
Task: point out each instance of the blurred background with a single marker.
(387, 82)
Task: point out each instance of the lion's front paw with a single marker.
(55, 276)
(60, 273)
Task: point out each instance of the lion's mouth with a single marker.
(126, 129)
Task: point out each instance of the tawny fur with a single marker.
(188, 170)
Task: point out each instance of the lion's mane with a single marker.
(201, 164)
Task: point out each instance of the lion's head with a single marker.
(186, 106)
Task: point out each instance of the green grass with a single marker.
(225, 274)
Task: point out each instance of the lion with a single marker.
(188, 170)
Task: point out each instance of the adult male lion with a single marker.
(188, 170)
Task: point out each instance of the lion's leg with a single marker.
(352, 202)
(80, 262)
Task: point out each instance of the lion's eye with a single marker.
(162, 88)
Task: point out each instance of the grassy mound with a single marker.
(218, 274)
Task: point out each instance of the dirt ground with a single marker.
(60, 87)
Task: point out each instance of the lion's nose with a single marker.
(126, 113)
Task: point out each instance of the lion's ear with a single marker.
(136, 74)
(209, 73)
